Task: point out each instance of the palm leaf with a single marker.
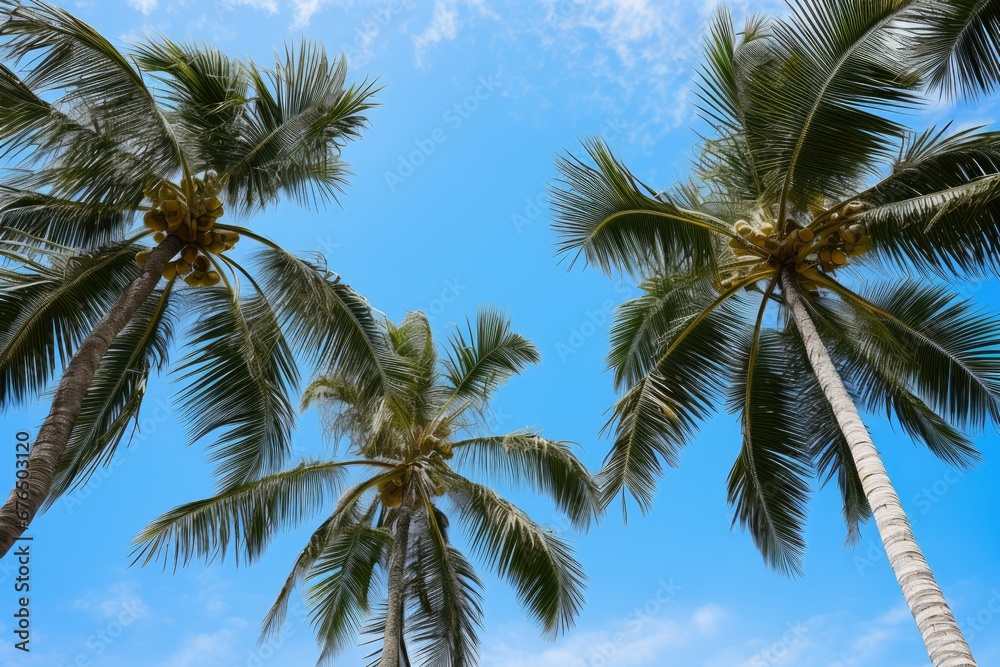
(239, 377)
(956, 45)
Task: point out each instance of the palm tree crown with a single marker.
(807, 190)
(391, 525)
(184, 140)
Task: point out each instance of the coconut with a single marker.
(212, 203)
(742, 227)
(201, 263)
(205, 223)
(159, 237)
(170, 271)
(767, 229)
(848, 236)
(216, 247)
(155, 220)
(854, 206)
(190, 253)
(805, 235)
(825, 255)
(446, 451)
(839, 257)
(183, 267)
(142, 256)
(212, 278)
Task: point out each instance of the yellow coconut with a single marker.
(190, 253)
(212, 278)
(170, 271)
(742, 227)
(848, 236)
(159, 237)
(839, 257)
(155, 220)
(183, 268)
(825, 255)
(201, 263)
(142, 256)
(204, 238)
(212, 204)
(805, 235)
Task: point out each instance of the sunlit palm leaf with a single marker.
(956, 44)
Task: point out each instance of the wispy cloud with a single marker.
(144, 6)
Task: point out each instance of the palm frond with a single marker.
(768, 483)
(67, 56)
(206, 94)
(538, 563)
(659, 414)
(483, 358)
(603, 213)
(524, 458)
(300, 117)
(239, 376)
(86, 225)
(244, 518)
(956, 45)
(444, 598)
(47, 310)
(839, 70)
(343, 581)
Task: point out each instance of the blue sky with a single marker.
(446, 211)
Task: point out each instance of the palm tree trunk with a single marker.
(22, 505)
(393, 640)
(943, 638)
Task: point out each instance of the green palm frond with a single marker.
(549, 467)
(47, 310)
(343, 581)
(825, 442)
(940, 205)
(239, 376)
(538, 563)
(347, 513)
(300, 116)
(839, 69)
(79, 224)
(444, 596)
(956, 45)
(206, 93)
(66, 55)
(115, 395)
(484, 357)
(412, 339)
(244, 518)
(768, 483)
(605, 214)
(657, 417)
(333, 326)
(955, 350)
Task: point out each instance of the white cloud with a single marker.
(144, 6)
(111, 603)
(269, 6)
(204, 650)
(444, 26)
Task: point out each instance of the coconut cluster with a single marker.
(193, 219)
(841, 238)
(391, 490)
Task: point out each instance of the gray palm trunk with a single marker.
(23, 504)
(392, 643)
(943, 638)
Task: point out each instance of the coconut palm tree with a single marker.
(789, 280)
(391, 526)
(113, 155)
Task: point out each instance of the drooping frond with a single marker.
(956, 45)
(64, 55)
(603, 213)
(444, 596)
(659, 414)
(768, 484)
(525, 459)
(538, 563)
(239, 377)
(244, 518)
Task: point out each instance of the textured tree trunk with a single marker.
(23, 504)
(944, 640)
(397, 571)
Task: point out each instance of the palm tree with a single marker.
(789, 279)
(393, 521)
(175, 135)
